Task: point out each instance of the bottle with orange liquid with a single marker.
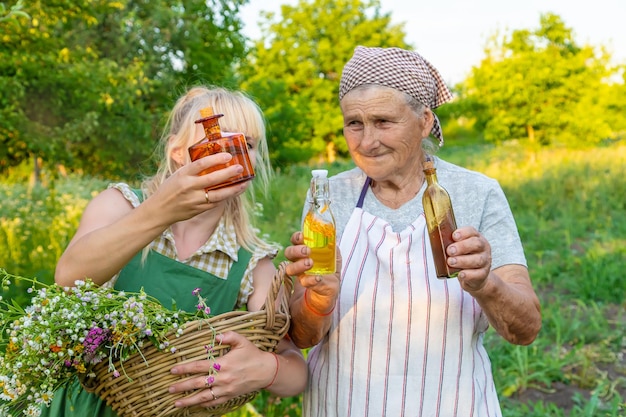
(440, 220)
(319, 226)
(216, 141)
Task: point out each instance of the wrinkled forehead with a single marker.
(373, 94)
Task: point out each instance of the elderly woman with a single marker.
(390, 337)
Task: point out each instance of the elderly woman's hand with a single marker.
(321, 285)
(314, 296)
(471, 253)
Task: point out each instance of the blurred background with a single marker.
(540, 105)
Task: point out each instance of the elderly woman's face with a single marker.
(383, 133)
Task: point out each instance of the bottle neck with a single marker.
(211, 126)
(212, 130)
(320, 191)
(431, 176)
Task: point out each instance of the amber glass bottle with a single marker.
(216, 141)
(318, 227)
(440, 220)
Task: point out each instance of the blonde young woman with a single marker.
(171, 236)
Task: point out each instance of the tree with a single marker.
(294, 70)
(541, 87)
(87, 83)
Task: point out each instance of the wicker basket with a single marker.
(145, 392)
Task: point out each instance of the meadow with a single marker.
(570, 207)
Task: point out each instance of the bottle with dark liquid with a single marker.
(318, 226)
(440, 220)
(216, 141)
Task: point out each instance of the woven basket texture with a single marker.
(143, 390)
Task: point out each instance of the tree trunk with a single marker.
(331, 155)
(35, 178)
(531, 133)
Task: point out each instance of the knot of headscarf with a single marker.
(402, 70)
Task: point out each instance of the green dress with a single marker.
(172, 283)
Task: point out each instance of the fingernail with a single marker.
(171, 390)
(451, 261)
(456, 235)
(174, 371)
(451, 250)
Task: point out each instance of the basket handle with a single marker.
(271, 309)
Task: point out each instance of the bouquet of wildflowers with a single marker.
(67, 330)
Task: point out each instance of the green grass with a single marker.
(570, 207)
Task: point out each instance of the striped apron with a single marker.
(402, 342)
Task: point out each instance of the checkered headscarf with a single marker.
(401, 70)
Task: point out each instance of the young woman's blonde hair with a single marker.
(241, 114)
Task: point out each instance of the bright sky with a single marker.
(451, 34)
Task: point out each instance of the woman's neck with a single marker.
(395, 195)
(191, 234)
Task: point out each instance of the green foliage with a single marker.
(86, 84)
(582, 407)
(294, 69)
(37, 223)
(559, 188)
(13, 12)
(540, 86)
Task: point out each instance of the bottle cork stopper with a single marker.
(206, 112)
(428, 162)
